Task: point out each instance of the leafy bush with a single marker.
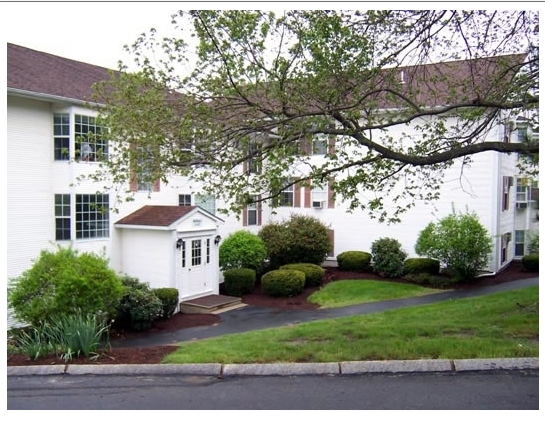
(238, 282)
(314, 274)
(169, 298)
(530, 262)
(301, 239)
(67, 336)
(533, 242)
(388, 257)
(242, 249)
(63, 283)
(139, 306)
(354, 261)
(459, 241)
(283, 283)
(421, 265)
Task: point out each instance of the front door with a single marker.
(195, 264)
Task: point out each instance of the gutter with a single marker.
(49, 97)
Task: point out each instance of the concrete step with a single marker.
(211, 304)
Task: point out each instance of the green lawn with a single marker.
(348, 292)
(492, 326)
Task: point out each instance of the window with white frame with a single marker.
(184, 200)
(251, 212)
(90, 146)
(61, 137)
(92, 216)
(206, 202)
(254, 164)
(521, 193)
(196, 252)
(318, 195)
(506, 187)
(286, 198)
(519, 242)
(320, 144)
(62, 217)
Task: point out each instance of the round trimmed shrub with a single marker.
(354, 261)
(530, 262)
(65, 282)
(169, 301)
(238, 282)
(421, 265)
(301, 239)
(283, 283)
(314, 274)
(388, 257)
(242, 249)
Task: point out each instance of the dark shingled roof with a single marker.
(156, 215)
(40, 72)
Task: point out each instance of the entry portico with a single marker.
(172, 247)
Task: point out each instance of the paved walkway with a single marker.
(255, 318)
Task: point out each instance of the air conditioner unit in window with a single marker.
(522, 205)
(317, 204)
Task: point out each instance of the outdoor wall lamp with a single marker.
(217, 239)
(179, 243)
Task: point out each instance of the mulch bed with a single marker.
(153, 355)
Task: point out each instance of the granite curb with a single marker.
(284, 369)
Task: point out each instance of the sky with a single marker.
(95, 32)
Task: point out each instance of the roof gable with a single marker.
(161, 215)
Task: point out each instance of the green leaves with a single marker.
(388, 87)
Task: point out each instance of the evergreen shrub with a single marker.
(314, 273)
(242, 249)
(530, 262)
(169, 298)
(421, 265)
(354, 261)
(388, 257)
(238, 282)
(283, 283)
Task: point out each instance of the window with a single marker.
(319, 195)
(522, 193)
(184, 200)
(206, 202)
(320, 143)
(62, 217)
(183, 253)
(254, 164)
(286, 197)
(92, 216)
(252, 213)
(208, 251)
(507, 183)
(505, 239)
(519, 243)
(90, 145)
(61, 135)
(196, 258)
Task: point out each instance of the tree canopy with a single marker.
(239, 99)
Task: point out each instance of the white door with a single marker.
(195, 263)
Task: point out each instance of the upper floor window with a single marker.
(254, 164)
(89, 142)
(320, 143)
(506, 187)
(206, 202)
(90, 145)
(286, 198)
(61, 135)
(184, 200)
